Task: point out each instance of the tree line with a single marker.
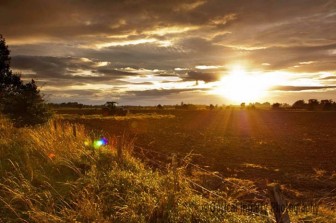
(313, 104)
(310, 105)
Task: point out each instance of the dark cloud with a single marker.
(51, 67)
(161, 92)
(169, 96)
(82, 93)
(301, 88)
(142, 83)
(114, 72)
(66, 70)
(252, 23)
(167, 75)
(89, 17)
(201, 76)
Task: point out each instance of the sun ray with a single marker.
(242, 86)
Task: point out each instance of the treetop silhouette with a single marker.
(22, 103)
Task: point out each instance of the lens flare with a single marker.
(99, 143)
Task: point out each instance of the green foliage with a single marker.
(23, 103)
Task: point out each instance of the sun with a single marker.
(240, 86)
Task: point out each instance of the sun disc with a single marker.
(240, 86)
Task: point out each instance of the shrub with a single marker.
(22, 103)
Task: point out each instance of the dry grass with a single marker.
(49, 175)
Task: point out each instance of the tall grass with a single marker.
(49, 175)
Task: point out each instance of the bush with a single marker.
(22, 103)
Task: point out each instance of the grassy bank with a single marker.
(50, 175)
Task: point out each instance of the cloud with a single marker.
(290, 58)
(301, 88)
(201, 76)
(63, 67)
(90, 17)
(114, 72)
(162, 92)
(329, 78)
(157, 39)
(250, 23)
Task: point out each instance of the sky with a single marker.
(149, 52)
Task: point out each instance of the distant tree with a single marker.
(242, 105)
(159, 106)
(70, 105)
(276, 106)
(258, 105)
(111, 104)
(313, 104)
(300, 104)
(266, 105)
(22, 103)
(285, 105)
(327, 105)
(185, 106)
(211, 107)
(251, 106)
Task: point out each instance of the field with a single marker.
(295, 148)
(60, 175)
(169, 166)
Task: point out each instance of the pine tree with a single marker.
(21, 102)
(8, 81)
